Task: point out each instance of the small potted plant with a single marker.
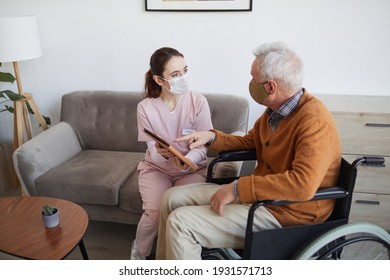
(50, 216)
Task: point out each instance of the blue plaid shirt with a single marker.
(286, 109)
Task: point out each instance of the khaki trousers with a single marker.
(187, 223)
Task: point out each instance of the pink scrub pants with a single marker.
(152, 185)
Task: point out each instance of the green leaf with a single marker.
(29, 109)
(11, 95)
(6, 77)
(47, 120)
(9, 109)
(48, 210)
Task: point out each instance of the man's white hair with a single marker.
(278, 62)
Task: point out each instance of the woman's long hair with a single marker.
(157, 66)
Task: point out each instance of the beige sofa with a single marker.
(91, 156)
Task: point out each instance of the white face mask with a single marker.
(179, 85)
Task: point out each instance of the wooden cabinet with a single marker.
(371, 198)
(364, 127)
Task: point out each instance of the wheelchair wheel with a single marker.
(220, 254)
(356, 241)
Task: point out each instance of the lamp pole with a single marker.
(20, 111)
(19, 39)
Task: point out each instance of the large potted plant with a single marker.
(7, 96)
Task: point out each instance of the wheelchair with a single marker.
(333, 239)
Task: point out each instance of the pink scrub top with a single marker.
(191, 113)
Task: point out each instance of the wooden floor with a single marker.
(103, 241)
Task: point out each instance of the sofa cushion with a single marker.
(97, 115)
(92, 176)
(129, 196)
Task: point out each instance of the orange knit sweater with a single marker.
(300, 156)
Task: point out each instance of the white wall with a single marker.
(106, 44)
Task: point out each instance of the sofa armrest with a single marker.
(44, 152)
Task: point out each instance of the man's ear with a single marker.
(273, 86)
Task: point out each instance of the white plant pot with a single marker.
(52, 220)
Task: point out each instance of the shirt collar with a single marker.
(289, 106)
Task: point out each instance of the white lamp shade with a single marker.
(19, 39)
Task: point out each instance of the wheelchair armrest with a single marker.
(237, 155)
(369, 160)
(321, 194)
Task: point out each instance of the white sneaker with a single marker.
(134, 255)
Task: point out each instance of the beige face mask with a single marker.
(257, 91)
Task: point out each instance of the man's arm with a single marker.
(197, 138)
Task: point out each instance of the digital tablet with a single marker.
(171, 149)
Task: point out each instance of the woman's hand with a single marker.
(179, 164)
(163, 152)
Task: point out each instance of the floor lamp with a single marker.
(19, 40)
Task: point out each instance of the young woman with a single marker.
(170, 110)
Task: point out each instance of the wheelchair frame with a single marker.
(288, 242)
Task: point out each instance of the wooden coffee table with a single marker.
(23, 234)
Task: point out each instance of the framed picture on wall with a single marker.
(198, 5)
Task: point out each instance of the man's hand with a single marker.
(197, 138)
(222, 197)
